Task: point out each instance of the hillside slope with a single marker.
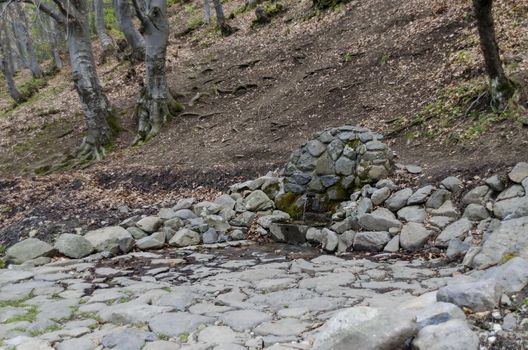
(253, 97)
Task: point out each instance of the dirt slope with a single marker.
(262, 92)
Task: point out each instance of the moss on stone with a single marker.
(289, 202)
(272, 190)
(352, 143)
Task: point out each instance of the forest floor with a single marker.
(407, 69)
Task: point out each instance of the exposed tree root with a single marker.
(152, 114)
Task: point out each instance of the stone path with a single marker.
(245, 297)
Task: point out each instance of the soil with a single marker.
(251, 98)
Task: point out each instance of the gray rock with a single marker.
(306, 161)
(476, 212)
(185, 237)
(237, 235)
(344, 166)
(511, 208)
(519, 172)
(325, 165)
(393, 246)
(73, 246)
(113, 239)
(244, 219)
(185, 214)
(314, 235)
(458, 229)
(206, 208)
(446, 209)
(438, 198)
(413, 169)
(342, 226)
(366, 328)
(136, 232)
(346, 240)
(364, 205)
(457, 248)
(154, 241)
(413, 236)
(282, 327)
(315, 147)
(242, 320)
(225, 201)
(507, 240)
(496, 183)
(210, 236)
(478, 296)
(478, 195)
(130, 222)
(291, 233)
(76, 344)
(451, 183)
(166, 214)
(511, 192)
(379, 196)
(329, 240)
(451, 335)
(258, 201)
(217, 222)
(175, 223)
(177, 323)
(378, 221)
(185, 203)
(412, 213)
(127, 339)
(386, 183)
(420, 195)
(158, 345)
(28, 249)
(150, 224)
(512, 276)
(371, 241)
(398, 199)
(440, 221)
(335, 149)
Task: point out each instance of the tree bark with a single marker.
(54, 44)
(155, 104)
(132, 35)
(220, 19)
(7, 65)
(24, 41)
(107, 44)
(207, 12)
(501, 88)
(94, 103)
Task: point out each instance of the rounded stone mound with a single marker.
(332, 165)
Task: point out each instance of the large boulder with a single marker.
(114, 239)
(451, 335)
(185, 237)
(366, 328)
(483, 295)
(509, 239)
(73, 246)
(27, 249)
(258, 201)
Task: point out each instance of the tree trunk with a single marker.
(502, 88)
(220, 19)
(155, 104)
(54, 44)
(7, 65)
(94, 103)
(24, 40)
(107, 44)
(132, 35)
(207, 12)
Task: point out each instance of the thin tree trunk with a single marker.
(132, 35)
(106, 42)
(24, 40)
(502, 88)
(220, 19)
(94, 103)
(155, 104)
(7, 65)
(207, 12)
(54, 44)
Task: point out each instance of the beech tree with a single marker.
(132, 36)
(220, 19)
(107, 44)
(72, 14)
(23, 40)
(501, 87)
(155, 104)
(7, 64)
